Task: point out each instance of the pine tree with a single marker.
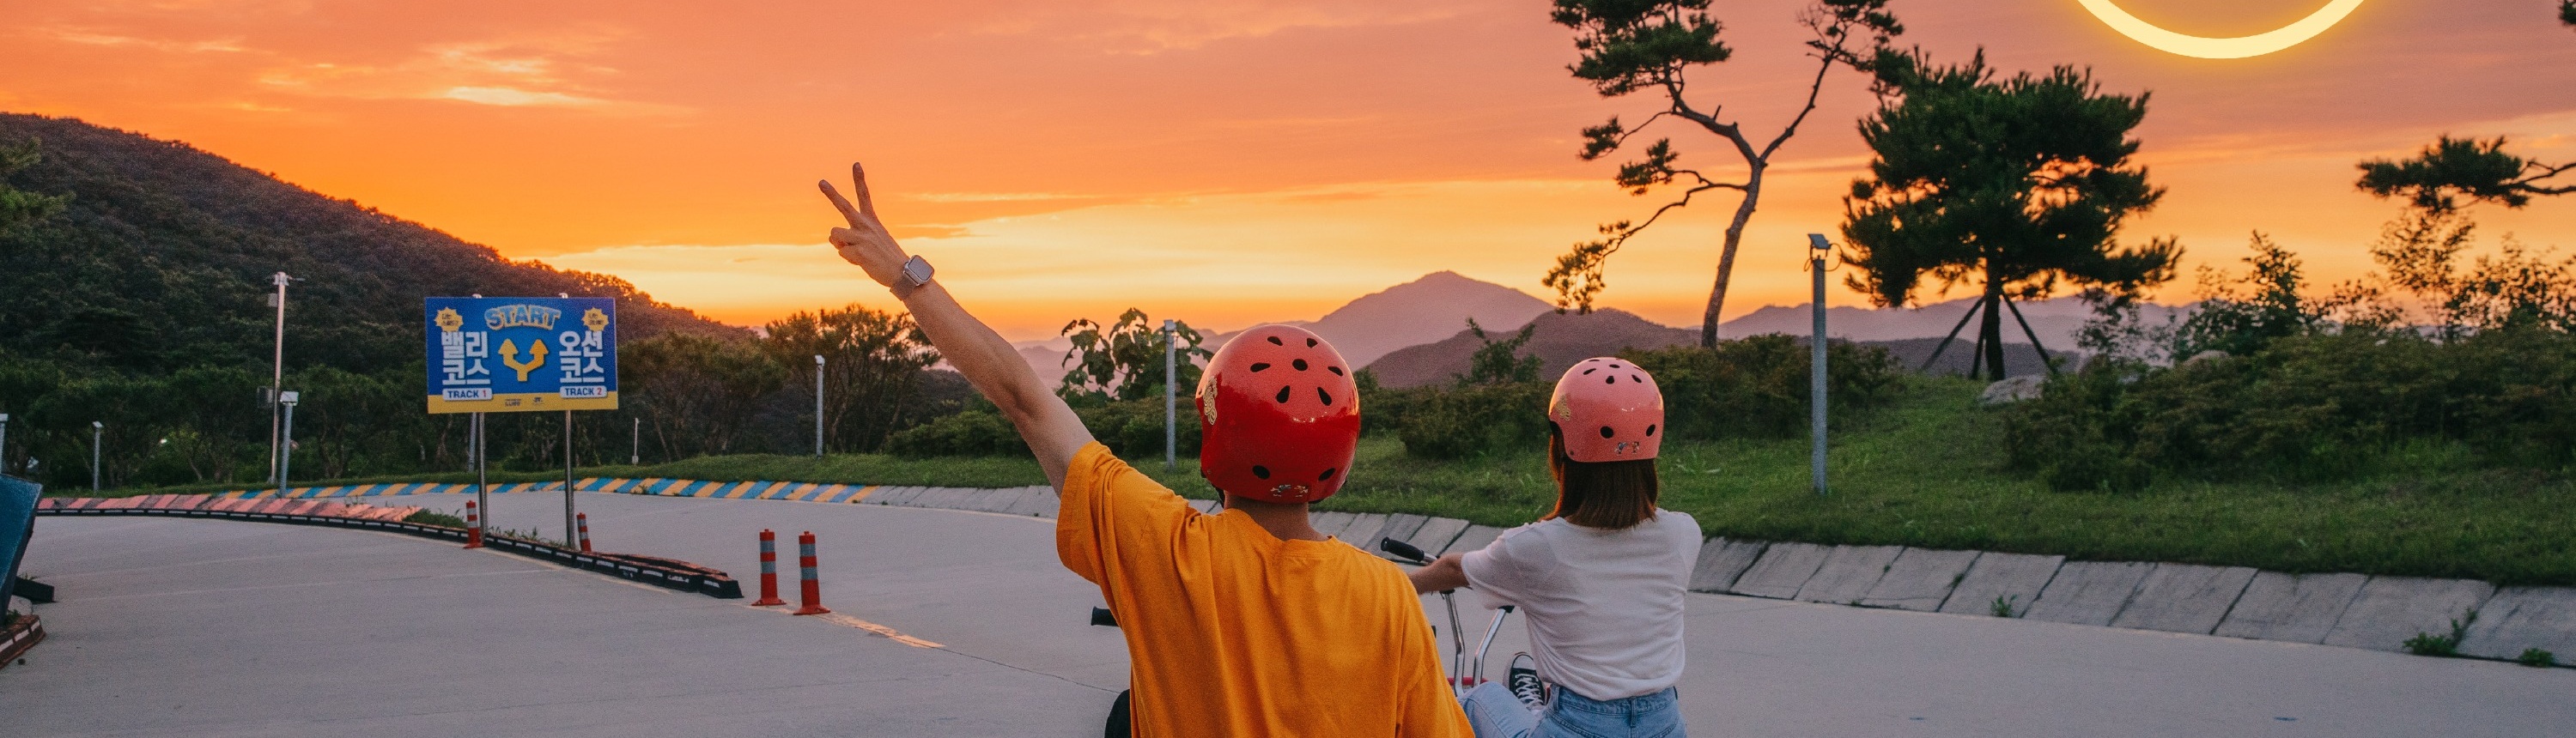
(1651, 45)
(2022, 184)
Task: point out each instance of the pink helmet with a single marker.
(1608, 409)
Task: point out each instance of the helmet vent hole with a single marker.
(1606, 432)
(1261, 366)
(1274, 341)
(1283, 394)
(1300, 364)
(1650, 431)
(1588, 372)
(1337, 371)
(1609, 380)
(1327, 476)
(1261, 471)
(1310, 343)
(1327, 397)
(1636, 379)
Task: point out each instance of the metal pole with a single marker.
(1171, 396)
(569, 523)
(635, 447)
(277, 372)
(4, 443)
(482, 494)
(286, 456)
(96, 429)
(1816, 362)
(818, 406)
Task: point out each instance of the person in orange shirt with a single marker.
(1244, 623)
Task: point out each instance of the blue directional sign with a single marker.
(521, 354)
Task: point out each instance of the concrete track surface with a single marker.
(218, 628)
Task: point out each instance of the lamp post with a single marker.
(1820, 248)
(818, 406)
(276, 372)
(635, 446)
(4, 443)
(286, 450)
(97, 432)
(1171, 398)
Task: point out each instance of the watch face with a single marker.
(917, 271)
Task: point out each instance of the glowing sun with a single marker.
(2221, 48)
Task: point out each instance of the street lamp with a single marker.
(4, 443)
(97, 431)
(286, 453)
(818, 406)
(277, 371)
(1171, 398)
(1819, 248)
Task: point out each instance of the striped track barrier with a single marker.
(661, 572)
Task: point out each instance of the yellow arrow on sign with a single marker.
(510, 357)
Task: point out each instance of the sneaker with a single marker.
(1522, 679)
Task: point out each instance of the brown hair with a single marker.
(1600, 494)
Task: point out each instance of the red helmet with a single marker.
(1608, 410)
(1279, 416)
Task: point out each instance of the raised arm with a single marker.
(988, 362)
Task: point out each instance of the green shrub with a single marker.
(1475, 420)
(2537, 657)
(1132, 429)
(433, 517)
(1758, 386)
(976, 431)
(2308, 407)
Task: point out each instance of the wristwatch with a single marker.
(916, 272)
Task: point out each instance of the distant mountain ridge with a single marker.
(1427, 309)
(162, 258)
(1415, 333)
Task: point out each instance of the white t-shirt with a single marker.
(1604, 606)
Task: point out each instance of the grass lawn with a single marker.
(1925, 471)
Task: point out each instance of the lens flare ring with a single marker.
(2220, 48)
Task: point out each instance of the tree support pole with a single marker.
(1954, 335)
(2032, 335)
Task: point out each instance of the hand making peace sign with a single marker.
(866, 242)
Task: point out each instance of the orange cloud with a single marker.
(1235, 159)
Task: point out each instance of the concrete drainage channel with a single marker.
(2351, 610)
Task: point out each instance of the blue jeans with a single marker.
(1495, 713)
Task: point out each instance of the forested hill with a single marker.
(161, 261)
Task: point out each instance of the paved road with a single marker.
(333, 632)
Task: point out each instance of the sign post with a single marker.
(521, 354)
(286, 446)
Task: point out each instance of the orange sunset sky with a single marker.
(1222, 161)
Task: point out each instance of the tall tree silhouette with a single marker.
(2021, 183)
(1651, 45)
(2436, 179)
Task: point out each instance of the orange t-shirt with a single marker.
(1233, 632)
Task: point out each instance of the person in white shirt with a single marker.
(1600, 579)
